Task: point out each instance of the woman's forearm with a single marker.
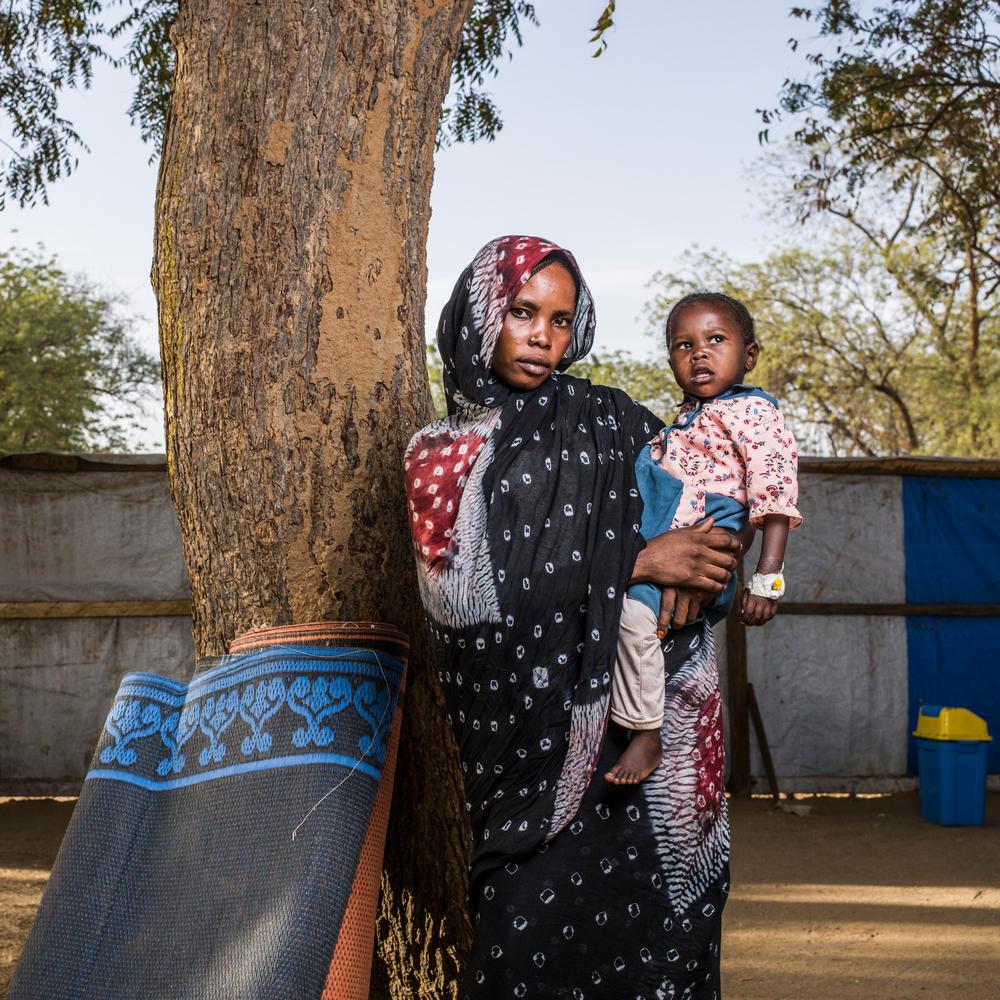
(644, 568)
(701, 558)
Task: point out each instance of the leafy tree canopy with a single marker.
(860, 367)
(904, 94)
(47, 46)
(647, 382)
(897, 125)
(72, 376)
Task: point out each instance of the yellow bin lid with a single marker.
(937, 723)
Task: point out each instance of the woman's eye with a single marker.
(563, 321)
(519, 312)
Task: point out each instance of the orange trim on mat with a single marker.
(348, 631)
(351, 966)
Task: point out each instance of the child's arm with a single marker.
(760, 610)
(770, 458)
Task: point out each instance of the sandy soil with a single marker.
(857, 899)
(862, 899)
(30, 833)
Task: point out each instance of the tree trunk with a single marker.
(973, 319)
(291, 226)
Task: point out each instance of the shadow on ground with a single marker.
(859, 899)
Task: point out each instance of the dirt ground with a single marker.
(857, 899)
(862, 899)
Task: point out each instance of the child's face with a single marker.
(707, 352)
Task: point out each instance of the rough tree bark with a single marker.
(291, 225)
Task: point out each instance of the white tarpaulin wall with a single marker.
(837, 692)
(105, 535)
(833, 689)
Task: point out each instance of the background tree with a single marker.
(72, 375)
(48, 46)
(899, 124)
(860, 367)
(647, 381)
(905, 93)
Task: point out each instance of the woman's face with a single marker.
(537, 330)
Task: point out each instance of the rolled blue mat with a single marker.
(217, 836)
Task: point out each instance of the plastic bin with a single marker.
(951, 756)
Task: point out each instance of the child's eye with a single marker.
(682, 345)
(716, 338)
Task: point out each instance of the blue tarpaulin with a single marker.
(952, 556)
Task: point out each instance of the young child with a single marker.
(728, 456)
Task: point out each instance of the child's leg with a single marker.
(637, 686)
(637, 693)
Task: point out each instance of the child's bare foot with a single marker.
(639, 761)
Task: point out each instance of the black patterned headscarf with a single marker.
(525, 519)
(479, 302)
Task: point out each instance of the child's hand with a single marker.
(757, 610)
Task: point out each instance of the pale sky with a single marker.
(626, 160)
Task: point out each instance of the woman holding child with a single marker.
(525, 509)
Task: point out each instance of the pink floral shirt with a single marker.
(737, 446)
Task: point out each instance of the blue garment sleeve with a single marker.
(733, 516)
(661, 493)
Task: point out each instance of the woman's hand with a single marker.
(679, 606)
(699, 558)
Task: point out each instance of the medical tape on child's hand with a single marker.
(770, 586)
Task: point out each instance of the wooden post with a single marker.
(739, 728)
(762, 744)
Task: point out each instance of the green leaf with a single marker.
(72, 375)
